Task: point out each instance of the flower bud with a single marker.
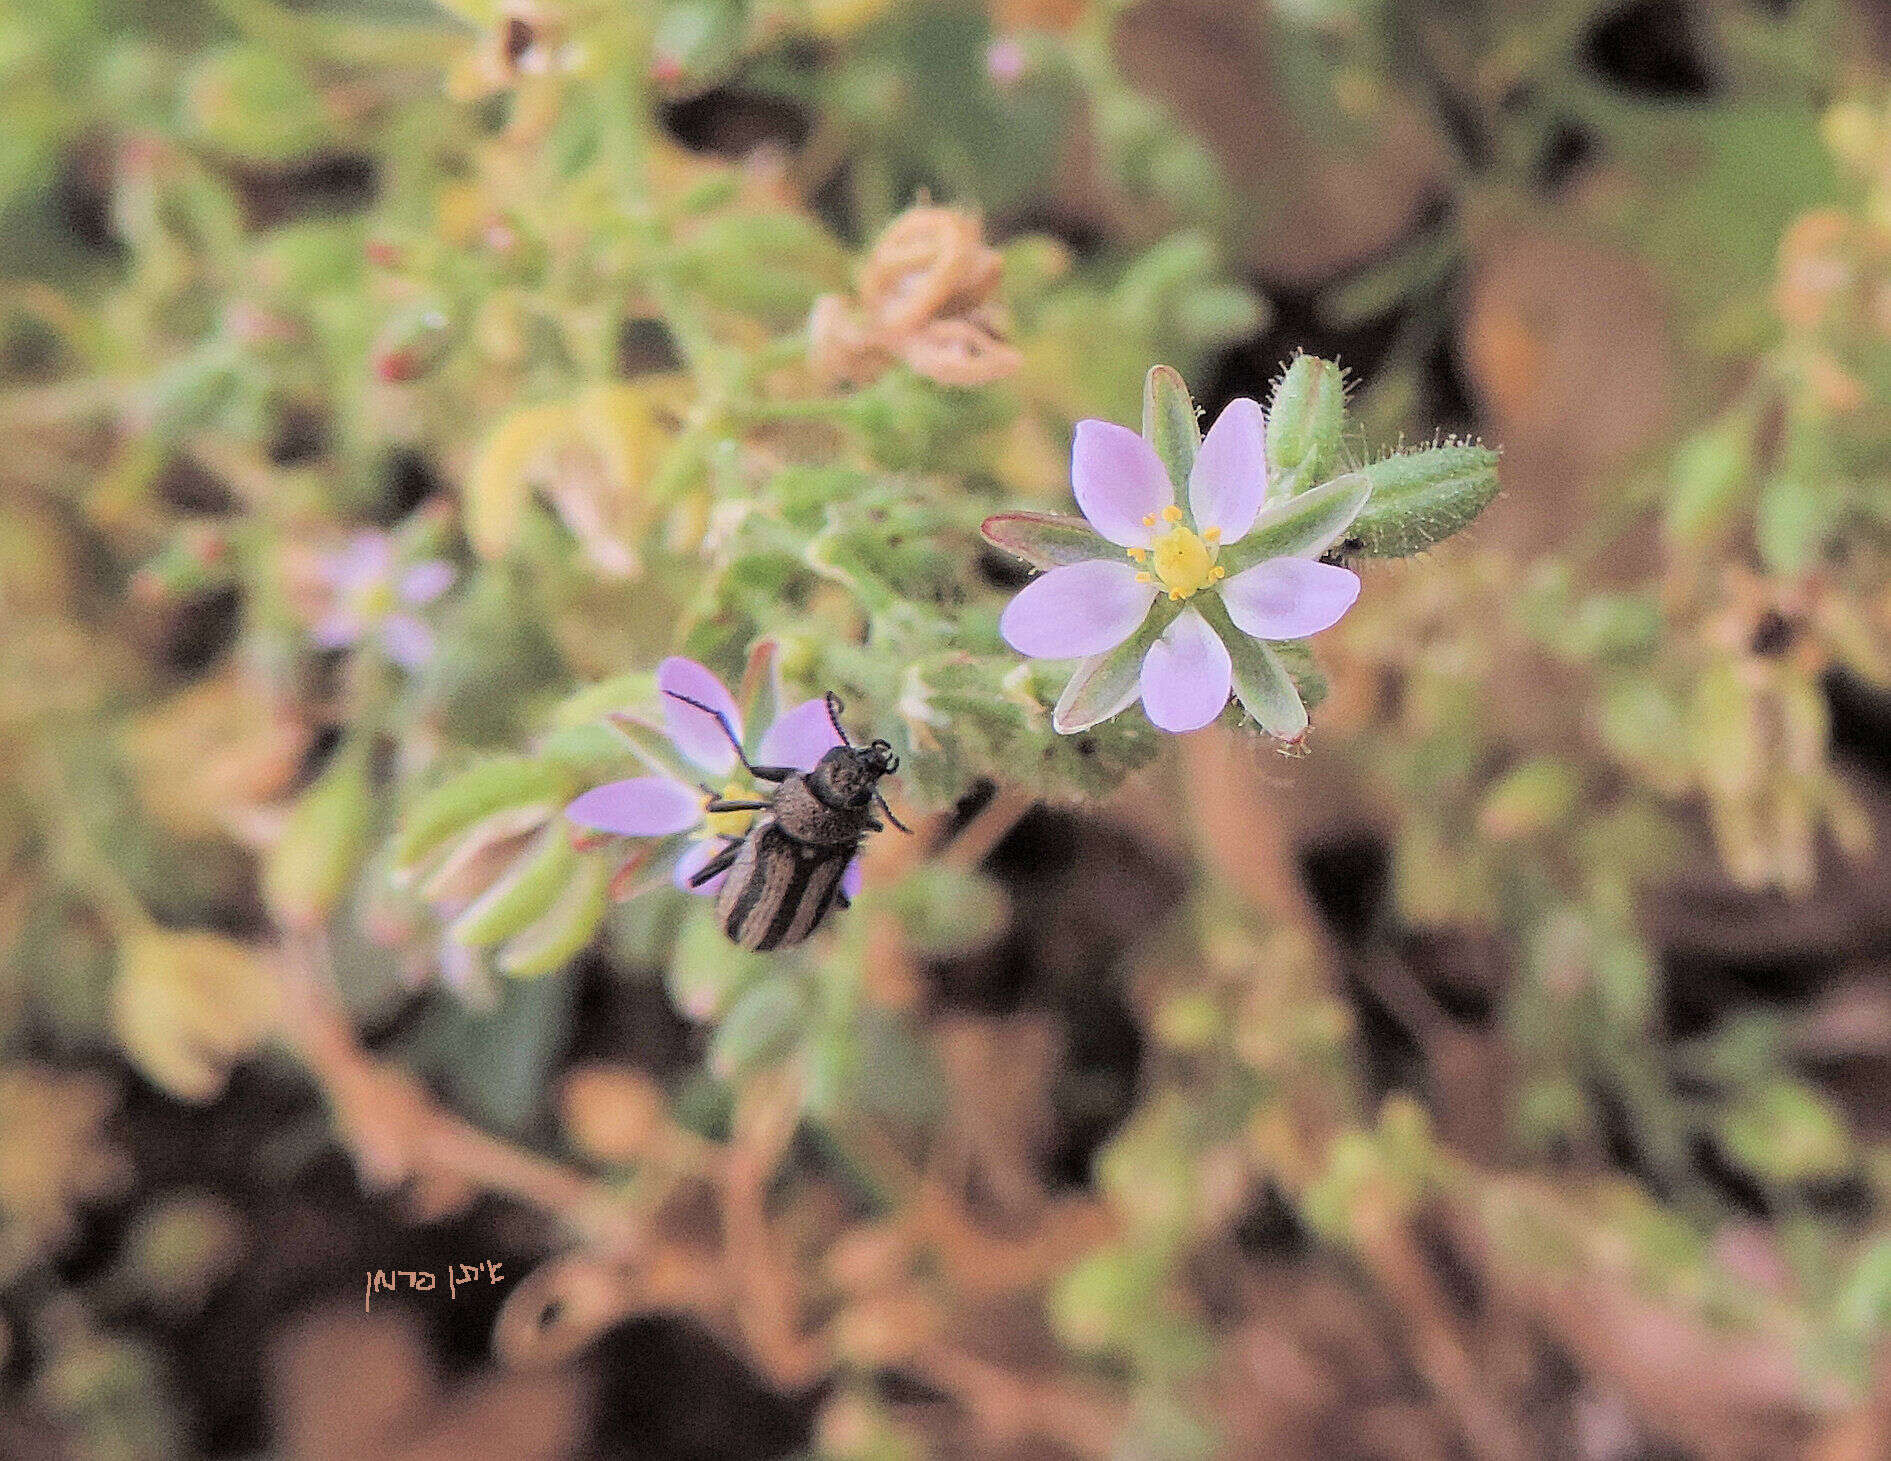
(1169, 423)
(1304, 422)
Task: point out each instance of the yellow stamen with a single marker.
(1171, 514)
(1149, 521)
(1211, 535)
(1145, 578)
(733, 824)
(1217, 573)
(1138, 554)
(1182, 561)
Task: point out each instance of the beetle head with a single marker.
(848, 775)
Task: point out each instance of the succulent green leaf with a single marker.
(321, 849)
(471, 796)
(653, 748)
(566, 927)
(462, 869)
(761, 1026)
(1169, 423)
(1302, 526)
(1423, 497)
(522, 894)
(1047, 539)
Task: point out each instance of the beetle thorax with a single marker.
(846, 777)
(807, 811)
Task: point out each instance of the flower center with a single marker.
(377, 601)
(729, 824)
(1182, 559)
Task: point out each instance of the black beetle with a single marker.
(785, 871)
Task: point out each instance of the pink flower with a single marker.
(1006, 61)
(672, 803)
(1174, 606)
(367, 593)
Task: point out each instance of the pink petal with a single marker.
(1289, 598)
(644, 806)
(692, 731)
(1079, 609)
(1186, 675)
(337, 629)
(364, 559)
(425, 582)
(1119, 480)
(798, 738)
(1229, 480)
(408, 642)
(691, 862)
(851, 879)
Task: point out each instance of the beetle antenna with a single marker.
(889, 815)
(721, 720)
(834, 708)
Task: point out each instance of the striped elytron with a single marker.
(785, 872)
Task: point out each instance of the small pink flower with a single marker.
(1173, 606)
(368, 592)
(670, 804)
(1006, 61)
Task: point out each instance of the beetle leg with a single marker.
(760, 773)
(723, 804)
(720, 863)
(874, 824)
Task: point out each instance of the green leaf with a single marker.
(471, 796)
(524, 893)
(567, 926)
(1304, 423)
(1795, 517)
(1784, 1132)
(464, 868)
(1302, 526)
(315, 860)
(1107, 684)
(1047, 539)
(496, 1064)
(595, 702)
(707, 973)
(1711, 474)
(1422, 497)
(761, 1027)
(1169, 424)
(1261, 682)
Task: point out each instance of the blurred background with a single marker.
(1508, 1075)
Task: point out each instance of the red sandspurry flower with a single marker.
(1170, 605)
